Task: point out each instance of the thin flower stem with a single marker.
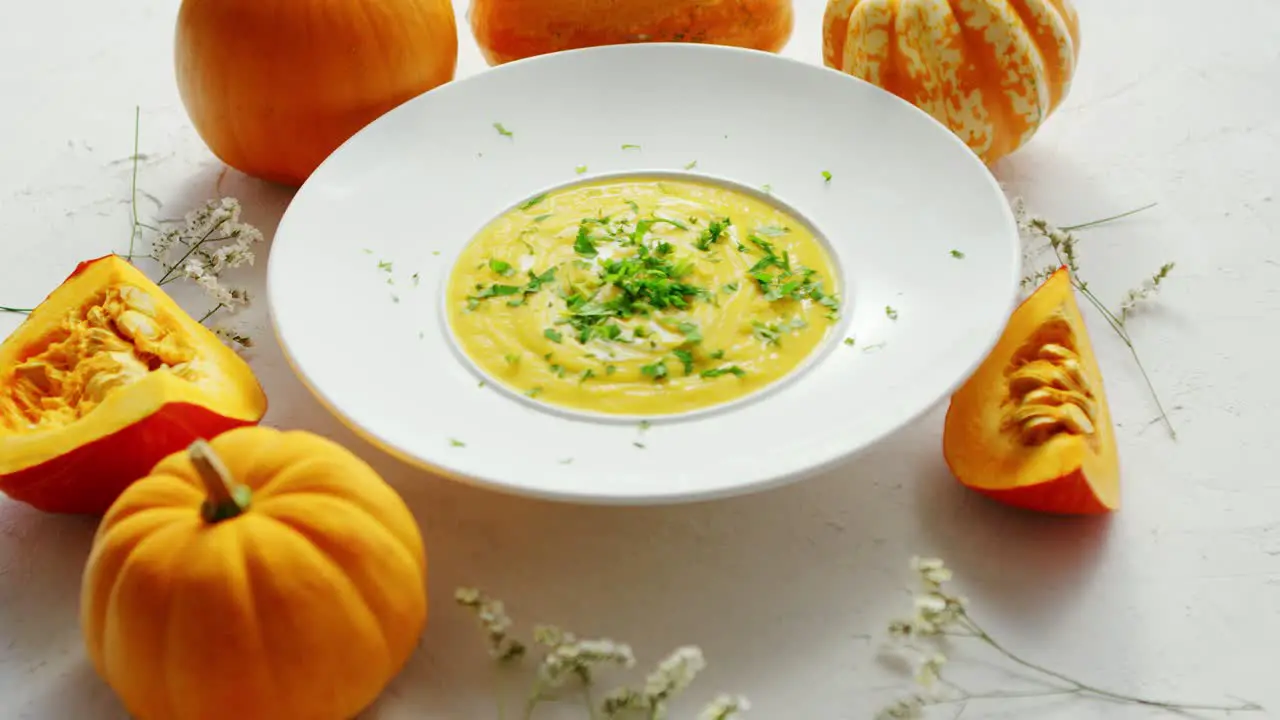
(1118, 326)
(1103, 221)
(168, 273)
(133, 196)
(1093, 690)
(21, 311)
(209, 314)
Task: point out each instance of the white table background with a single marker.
(1177, 596)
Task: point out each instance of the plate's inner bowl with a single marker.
(643, 296)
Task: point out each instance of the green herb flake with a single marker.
(957, 254)
(826, 176)
(610, 369)
(890, 313)
(540, 218)
(553, 335)
(686, 359)
(580, 169)
(716, 354)
(415, 279)
(456, 443)
(511, 358)
(501, 267)
(691, 165)
(533, 201)
(849, 341)
(733, 370)
(628, 146)
(657, 370)
(534, 392)
(384, 265)
(502, 130)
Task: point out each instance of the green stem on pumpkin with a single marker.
(226, 498)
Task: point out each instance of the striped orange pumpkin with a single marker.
(991, 70)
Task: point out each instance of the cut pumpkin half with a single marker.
(104, 379)
(1031, 427)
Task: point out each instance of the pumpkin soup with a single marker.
(642, 296)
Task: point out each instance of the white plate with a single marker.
(413, 188)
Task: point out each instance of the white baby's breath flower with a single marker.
(930, 670)
(493, 619)
(725, 707)
(232, 337)
(674, 673)
(933, 572)
(580, 657)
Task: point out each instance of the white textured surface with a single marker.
(1177, 596)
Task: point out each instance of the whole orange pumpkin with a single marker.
(274, 86)
(509, 30)
(263, 575)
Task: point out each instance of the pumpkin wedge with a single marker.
(1031, 427)
(104, 379)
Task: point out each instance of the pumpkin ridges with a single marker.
(328, 632)
(142, 581)
(209, 596)
(113, 547)
(327, 522)
(1045, 20)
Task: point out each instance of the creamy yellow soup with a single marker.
(642, 296)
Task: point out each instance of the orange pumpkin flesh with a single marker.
(1031, 428)
(990, 70)
(106, 377)
(261, 576)
(509, 30)
(274, 86)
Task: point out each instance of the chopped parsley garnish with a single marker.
(534, 391)
(540, 218)
(657, 370)
(712, 234)
(384, 265)
(629, 146)
(533, 201)
(826, 176)
(580, 169)
(849, 341)
(686, 359)
(691, 165)
(415, 279)
(456, 443)
(718, 372)
(502, 130)
(957, 254)
(890, 313)
(501, 267)
(552, 335)
(511, 358)
(715, 354)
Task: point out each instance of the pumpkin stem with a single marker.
(227, 498)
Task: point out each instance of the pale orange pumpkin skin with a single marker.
(305, 606)
(508, 30)
(993, 71)
(274, 86)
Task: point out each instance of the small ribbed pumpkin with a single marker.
(991, 70)
(263, 575)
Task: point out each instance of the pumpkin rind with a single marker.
(1057, 470)
(508, 30)
(274, 86)
(304, 606)
(991, 70)
(72, 448)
